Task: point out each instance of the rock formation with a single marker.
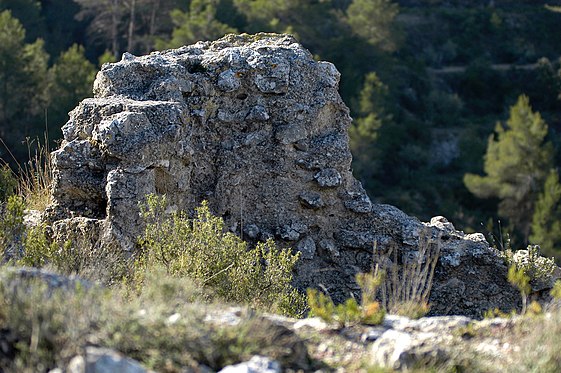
(256, 126)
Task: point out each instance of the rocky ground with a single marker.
(442, 343)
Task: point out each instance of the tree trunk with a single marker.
(130, 38)
(114, 28)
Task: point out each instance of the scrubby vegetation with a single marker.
(220, 262)
(163, 326)
(194, 293)
(451, 101)
(369, 311)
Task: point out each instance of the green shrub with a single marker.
(8, 183)
(12, 227)
(534, 265)
(518, 277)
(350, 312)
(496, 312)
(82, 254)
(556, 290)
(45, 328)
(219, 261)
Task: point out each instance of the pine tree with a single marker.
(199, 23)
(516, 164)
(365, 131)
(28, 13)
(374, 21)
(23, 84)
(546, 222)
(72, 78)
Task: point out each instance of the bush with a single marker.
(82, 254)
(406, 287)
(518, 278)
(531, 262)
(8, 183)
(349, 313)
(157, 327)
(219, 261)
(12, 227)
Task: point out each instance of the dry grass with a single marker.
(408, 278)
(43, 328)
(35, 176)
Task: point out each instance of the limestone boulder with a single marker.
(256, 126)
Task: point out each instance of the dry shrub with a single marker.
(408, 278)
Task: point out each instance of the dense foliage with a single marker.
(426, 81)
(219, 262)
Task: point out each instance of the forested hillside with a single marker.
(455, 103)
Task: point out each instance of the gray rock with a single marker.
(311, 200)
(328, 177)
(330, 247)
(228, 81)
(258, 113)
(252, 231)
(288, 134)
(360, 204)
(402, 351)
(257, 364)
(292, 231)
(307, 247)
(15, 277)
(252, 121)
(103, 360)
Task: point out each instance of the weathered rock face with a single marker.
(255, 126)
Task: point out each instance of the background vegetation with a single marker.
(427, 82)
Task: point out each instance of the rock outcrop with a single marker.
(256, 126)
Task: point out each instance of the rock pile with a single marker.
(256, 126)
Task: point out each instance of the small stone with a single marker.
(228, 81)
(442, 223)
(103, 360)
(266, 85)
(301, 145)
(292, 231)
(288, 134)
(356, 240)
(257, 364)
(265, 235)
(256, 138)
(328, 177)
(173, 319)
(372, 334)
(360, 204)
(330, 247)
(330, 75)
(311, 200)
(128, 57)
(226, 116)
(251, 231)
(307, 247)
(258, 113)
